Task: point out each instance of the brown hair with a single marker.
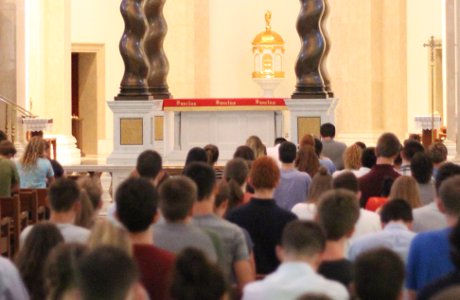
(7, 148)
(108, 233)
(406, 188)
(177, 196)
(256, 145)
(34, 150)
(322, 182)
(307, 140)
(352, 157)
(265, 174)
(307, 160)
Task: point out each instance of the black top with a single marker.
(439, 285)
(339, 270)
(264, 221)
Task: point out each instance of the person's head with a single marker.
(396, 210)
(3, 136)
(405, 187)
(35, 149)
(416, 137)
(204, 177)
(318, 147)
(338, 212)
(321, 183)
(352, 157)
(109, 233)
(136, 201)
(196, 154)
(107, 273)
(61, 270)
(149, 164)
(279, 140)
(446, 171)
(437, 153)
(314, 296)
(256, 145)
(449, 194)
(7, 149)
(347, 181)
(361, 145)
(388, 146)
(287, 152)
(31, 257)
(421, 167)
(236, 174)
(455, 245)
(302, 239)
(93, 189)
(86, 215)
(194, 277)
(327, 130)
(379, 275)
(307, 140)
(368, 158)
(222, 198)
(410, 148)
(64, 196)
(264, 174)
(212, 152)
(177, 197)
(244, 152)
(307, 160)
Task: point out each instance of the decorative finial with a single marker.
(268, 19)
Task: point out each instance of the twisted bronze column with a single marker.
(133, 85)
(310, 83)
(323, 68)
(153, 46)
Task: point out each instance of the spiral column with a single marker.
(134, 84)
(310, 82)
(323, 63)
(153, 47)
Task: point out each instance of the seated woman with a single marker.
(35, 171)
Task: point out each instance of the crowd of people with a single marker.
(317, 220)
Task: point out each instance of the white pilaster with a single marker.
(457, 77)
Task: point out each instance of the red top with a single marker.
(155, 266)
(371, 184)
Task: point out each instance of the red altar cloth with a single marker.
(222, 104)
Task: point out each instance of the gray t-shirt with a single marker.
(174, 237)
(232, 237)
(292, 189)
(427, 192)
(334, 150)
(70, 232)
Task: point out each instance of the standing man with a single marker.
(332, 149)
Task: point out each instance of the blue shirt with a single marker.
(35, 177)
(429, 258)
(394, 236)
(292, 189)
(328, 164)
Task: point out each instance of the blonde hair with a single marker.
(34, 150)
(406, 188)
(352, 157)
(256, 145)
(108, 233)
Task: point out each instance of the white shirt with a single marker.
(427, 218)
(368, 222)
(304, 211)
(291, 280)
(70, 232)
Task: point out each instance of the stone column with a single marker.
(153, 46)
(134, 83)
(457, 76)
(323, 64)
(310, 81)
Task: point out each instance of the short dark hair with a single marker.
(264, 173)
(7, 148)
(149, 164)
(196, 154)
(93, 190)
(449, 192)
(379, 275)
(421, 167)
(303, 237)
(244, 152)
(177, 196)
(318, 147)
(346, 180)
(445, 171)
(437, 152)
(212, 152)
(136, 200)
(327, 130)
(63, 194)
(396, 210)
(287, 152)
(368, 157)
(338, 212)
(279, 140)
(410, 148)
(361, 145)
(204, 177)
(388, 145)
(106, 273)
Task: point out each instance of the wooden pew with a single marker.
(9, 222)
(28, 208)
(43, 207)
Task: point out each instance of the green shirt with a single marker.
(8, 176)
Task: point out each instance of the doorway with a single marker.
(88, 100)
